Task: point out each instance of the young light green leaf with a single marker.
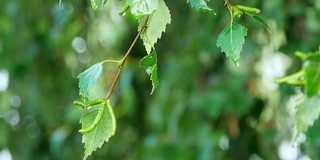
(202, 6)
(260, 20)
(307, 112)
(100, 134)
(142, 7)
(149, 63)
(156, 25)
(97, 4)
(312, 73)
(88, 78)
(231, 40)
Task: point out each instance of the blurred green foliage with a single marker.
(204, 107)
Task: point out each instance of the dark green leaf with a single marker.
(100, 134)
(260, 20)
(149, 63)
(231, 40)
(142, 7)
(156, 25)
(88, 78)
(307, 112)
(201, 5)
(313, 57)
(312, 72)
(97, 4)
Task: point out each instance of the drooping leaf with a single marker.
(156, 25)
(307, 112)
(88, 78)
(260, 20)
(100, 134)
(231, 40)
(97, 4)
(149, 63)
(312, 73)
(142, 7)
(202, 6)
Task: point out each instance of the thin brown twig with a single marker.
(123, 61)
(228, 3)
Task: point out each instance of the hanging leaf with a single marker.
(307, 112)
(156, 25)
(260, 20)
(99, 134)
(142, 7)
(149, 63)
(202, 6)
(88, 78)
(231, 40)
(97, 4)
(312, 72)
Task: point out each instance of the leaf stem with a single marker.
(229, 6)
(123, 60)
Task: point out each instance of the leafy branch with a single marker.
(308, 107)
(99, 124)
(123, 61)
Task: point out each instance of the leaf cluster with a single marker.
(153, 17)
(308, 107)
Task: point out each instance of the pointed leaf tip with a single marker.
(95, 4)
(260, 20)
(149, 63)
(201, 5)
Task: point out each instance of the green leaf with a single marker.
(142, 7)
(260, 20)
(156, 25)
(231, 40)
(313, 57)
(97, 4)
(88, 78)
(100, 134)
(202, 6)
(149, 63)
(307, 112)
(312, 72)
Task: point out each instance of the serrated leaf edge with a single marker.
(230, 25)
